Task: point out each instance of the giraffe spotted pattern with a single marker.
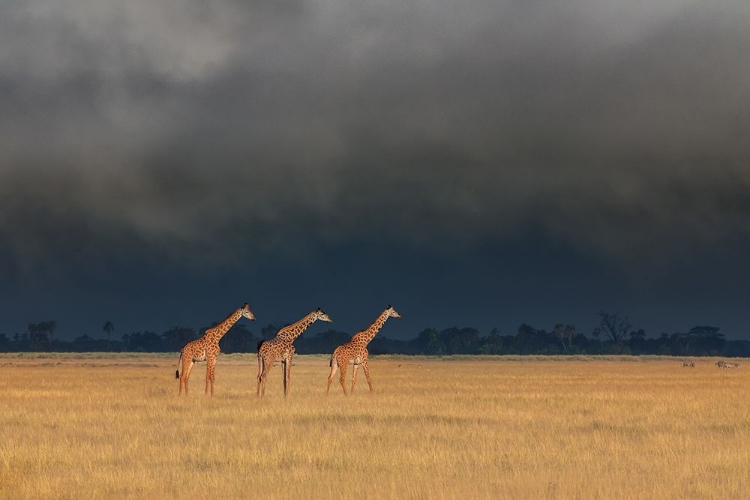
(207, 349)
(281, 347)
(355, 351)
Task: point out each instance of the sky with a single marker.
(479, 163)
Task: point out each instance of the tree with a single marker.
(529, 340)
(493, 344)
(638, 334)
(570, 333)
(143, 342)
(33, 332)
(560, 332)
(637, 342)
(269, 331)
(39, 336)
(4, 342)
(84, 343)
(238, 339)
(681, 341)
(460, 341)
(177, 336)
(524, 336)
(708, 339)
(108, 328)
(614, 326)
(49, 327)
(322, 342)
(429, 342)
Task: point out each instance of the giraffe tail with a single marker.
(177, 372)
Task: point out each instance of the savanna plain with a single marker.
(112, 426)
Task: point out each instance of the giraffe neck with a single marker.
(369, 334)
(217, 332)
(293, 331)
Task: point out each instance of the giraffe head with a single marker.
(392, 313)
(246, 312)
(321, 316)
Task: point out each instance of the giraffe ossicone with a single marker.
(206, 348)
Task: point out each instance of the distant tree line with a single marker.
(613, 335)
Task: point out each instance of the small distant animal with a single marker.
(688, 364)
(724, 364)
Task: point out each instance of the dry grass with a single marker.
(113, 427)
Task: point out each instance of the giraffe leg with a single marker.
(288, 376)
(210, 374)
(267, 365)
(187, 366)
(342, 377)
(354, 377)
(334, 367)
(283, 373)
(260, 372)
(181, 372)
(366, 368)
(289, 372)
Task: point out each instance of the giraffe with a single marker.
(281, 347)
(207, 349)
(356, 351)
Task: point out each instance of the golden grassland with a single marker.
(112, 426)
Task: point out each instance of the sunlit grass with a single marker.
(112, 426)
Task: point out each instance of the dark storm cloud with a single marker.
(203, 132)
